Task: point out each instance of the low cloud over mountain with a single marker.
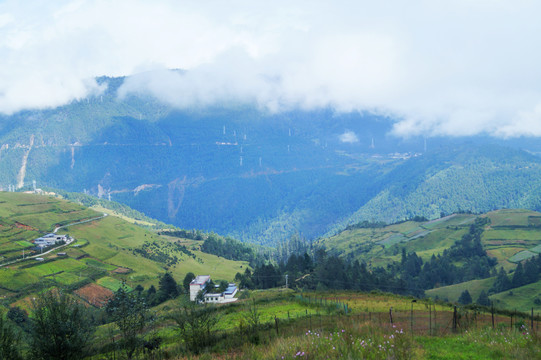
(437, 68)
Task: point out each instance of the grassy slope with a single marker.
(452, 292)
(512, 236)
(521, 299)
(101, 247)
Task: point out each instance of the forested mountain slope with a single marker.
(256, 175)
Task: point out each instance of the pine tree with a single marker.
(483, 299)
(465, 298)
(519, 278)
(168, 287)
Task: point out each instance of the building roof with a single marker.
(230, 289)
(213, 294)
(200, 280)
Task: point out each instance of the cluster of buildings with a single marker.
(50, 240)
(200, 283)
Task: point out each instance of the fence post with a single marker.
(454, 319)
(276, 324)
(391, 315)
(435, 319)
(310, 316)
(430, 318)
(531, 326)
(492, 313)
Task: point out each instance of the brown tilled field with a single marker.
(95, 294)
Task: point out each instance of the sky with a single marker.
(436, 68)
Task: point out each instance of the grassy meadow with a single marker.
(296, 325)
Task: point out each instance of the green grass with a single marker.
(112, 283)
(452, 292)
(55, 267)
(67, 278)
(521, 298)
(98, 264)
(520, 256)
(511, 217)
(14, 279)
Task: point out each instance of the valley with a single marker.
(255, 175)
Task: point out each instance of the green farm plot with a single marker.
(523, 255)
(98, 264)
(452, 292)
(511, 217)
(451, 220)
(109, 235)
(503, 253)
(55, 267)
(48, 220)
(99, 250)
(24, 243)
(404, 227)
(436, 241)
(112, 284)
(392, 240)
(536, 249)
(138, 264)
(512, 234)
(67, 278)
(15, 279)
(74, 252)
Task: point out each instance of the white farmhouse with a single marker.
(221, 298)
(198, 284)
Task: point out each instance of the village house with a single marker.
(200, 284)
(221, 298)
(50, 240)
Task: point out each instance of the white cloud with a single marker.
(456, 67)
(348, 137)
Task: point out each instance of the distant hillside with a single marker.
(466, 178)
(255, 175)
(509, 237)
(106, 252)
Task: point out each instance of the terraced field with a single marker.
(511, 236)
(106, 252)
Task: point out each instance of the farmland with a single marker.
(103, 256)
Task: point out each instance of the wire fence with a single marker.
(429, 322)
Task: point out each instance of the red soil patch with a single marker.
(95, 294)
(24, 226)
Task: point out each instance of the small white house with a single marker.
(198, 284)
(221, 298)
